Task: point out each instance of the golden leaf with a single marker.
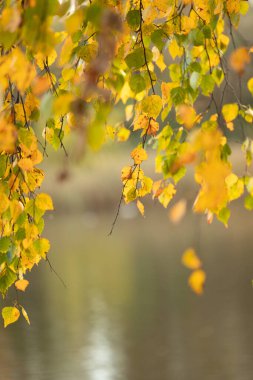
(167, 194)
(21, 284)
(10, 315)
(140, 207)
(177, 212)
(44, 202)
(187, 115)
(138, 155)
(197, 281)
(25, 164)
(25, 315)
(190, 259)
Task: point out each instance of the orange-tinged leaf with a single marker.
(25, 164)
(153, 128)
(157, 189)
(41, 85)
(190, 259)
(239, 59)
(138, 155)
(177, 212)
(21, 284)
(8, 136)
(141, 122)
(126, 173)
(197, 280)
(10, 315)
(187, 115)
(140, 207)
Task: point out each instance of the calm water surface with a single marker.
(127, 313)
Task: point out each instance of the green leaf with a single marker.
(207, 32)
(5, 243)
(3, 164)
(178, 95)
(133, 18)
(224, 216)
(157, 37)
(197, 37)
(136, 59)
(195, 79)
(207, 84)
(7, 278)
(137, 83)
(248, 202)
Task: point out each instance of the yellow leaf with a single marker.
(151, 106)
(41, 58)
(177, 212)
(197, 281)
(123, 134)
(22, 284)
(25, 164)
(230, 112)
(146, 185)
(4, 202)
(126, 173)
(10, 19)
(68, 73)
(16, 208)
(175, 50)
(190, 259)
(213, 194)
(140, 207)
(157, 189)
(66, 51)
(250, 85)
(138, 155)
(10, 315)
(62, 104)
(167, 194)
(25, 315)
(44, 202)
(73, 22)
(230, 126)
(141, 122)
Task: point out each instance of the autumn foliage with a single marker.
(167, 63)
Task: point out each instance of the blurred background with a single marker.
(125, 311)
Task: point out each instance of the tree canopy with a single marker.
(174, 68)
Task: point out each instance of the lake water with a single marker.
(126, 312)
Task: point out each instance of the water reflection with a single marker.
(127, 312)
(101, 354)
